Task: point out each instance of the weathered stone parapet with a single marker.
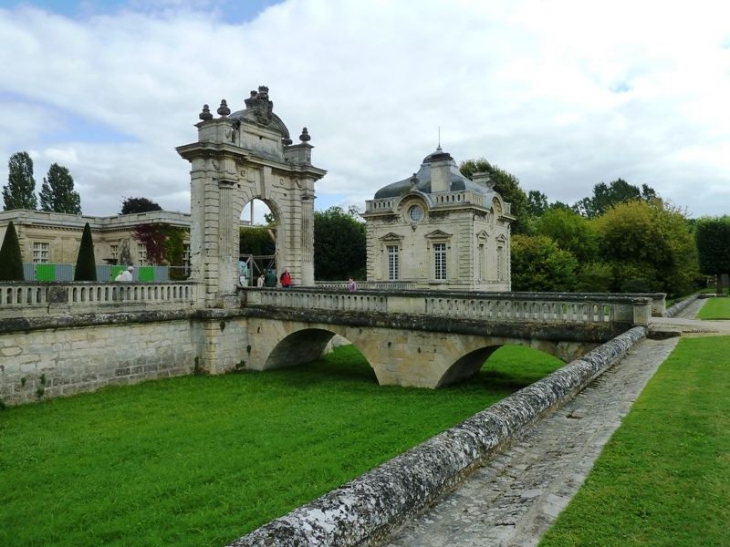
(365, 510)
(680, 306)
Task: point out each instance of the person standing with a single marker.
(351, 285)
(270, 280)
(285, 279)
(260, 281)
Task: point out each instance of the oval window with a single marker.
(415, 213)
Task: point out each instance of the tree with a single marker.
(257, 241)
(11, 260)
(86, 262)
(539, 264)
(537, 203)
(712, 236)
(649, 247)
(339, 245)
(571, 232)
(57, 192)
(506, 185)
(20, 191)
(607, 196)
(138, 205)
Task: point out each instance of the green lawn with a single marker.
(664, 478)
(203, 460)
(715, 308)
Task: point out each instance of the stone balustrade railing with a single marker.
(18, 299)
(486, 306)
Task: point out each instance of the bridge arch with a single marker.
(397, 356)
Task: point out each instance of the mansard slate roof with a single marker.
(457, 181)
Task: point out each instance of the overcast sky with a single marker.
(562, 94)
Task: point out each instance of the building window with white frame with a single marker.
(482, 259)
(114, 251)
(142, 254)
(439, 261)
(393, 263)
(500, 263)
(41, 252)
(186, 259)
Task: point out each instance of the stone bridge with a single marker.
(429, 338)
(57, 339)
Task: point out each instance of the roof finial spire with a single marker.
(439, 146)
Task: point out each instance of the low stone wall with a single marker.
(365, 510)
(43, 358)
(680, 306)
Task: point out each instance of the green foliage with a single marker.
(607, 196)
(164, 243)
(539, 264)
(663, 479)
(506, 185)
(339, 245)
(571, 232)
(257, 241)
(712, 236)
(278, 438)
(138, 205)
(11, 260)
(594, 277)
(57, 192)
(86, 262)
(537, 203)
(20, 190)
(648, 245)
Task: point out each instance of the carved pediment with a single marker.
(483, 234)
(391, 236)
(438, 234)
(501, 238)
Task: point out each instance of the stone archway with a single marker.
(239, 157)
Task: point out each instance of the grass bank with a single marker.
(664, 477)
(203, 460)
(715, 308)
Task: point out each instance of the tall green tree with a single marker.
(339, 245)
(86, 261)
(713, 246)
(571, 232)
(649, 247)
(606, 196)
(508, 186)
(11, 260)
(539, 264)
(57, 192)
(139, 205)
(20, 190)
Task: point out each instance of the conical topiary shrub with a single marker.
(11, 261)
(86, 262)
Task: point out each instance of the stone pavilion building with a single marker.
(438, 229)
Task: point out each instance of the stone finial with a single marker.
(261, 105)
(205, 115)
(223, 109)
(304, 137)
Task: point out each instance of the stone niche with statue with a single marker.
(438, 229)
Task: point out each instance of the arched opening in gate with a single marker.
(257, 244)
(509, 366)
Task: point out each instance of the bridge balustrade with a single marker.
(35, 299)
(533, 307)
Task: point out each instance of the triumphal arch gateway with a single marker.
(239, 157)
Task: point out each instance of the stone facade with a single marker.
(240, 157)
(55, 237)
(438, 229)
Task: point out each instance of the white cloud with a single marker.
(563, 94)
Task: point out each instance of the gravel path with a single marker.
(518, 494)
